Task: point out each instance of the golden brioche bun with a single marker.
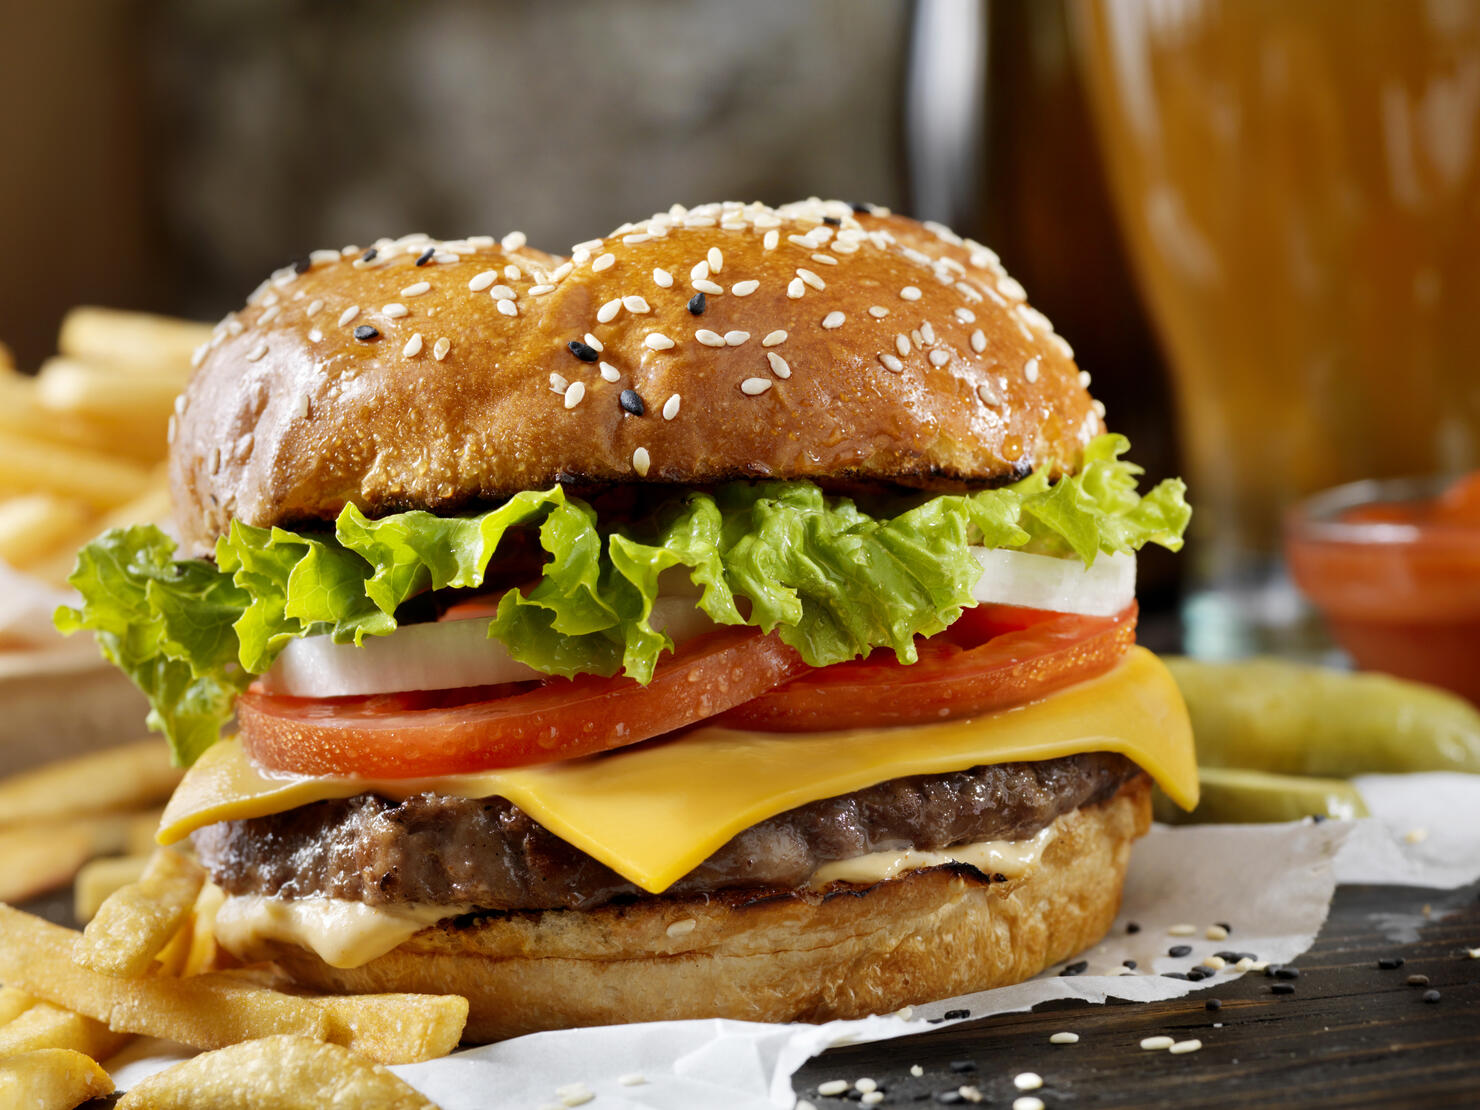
(785, 957)
(850, 345)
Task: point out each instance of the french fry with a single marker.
(100, 392)
(22, 413)
(99, 878)
(124, 777)
(46, 1026)
(13, 1003)
(275, 1073)
(220, 1008)
(153, 505)
(137, 921)
(51, 1079)
(130, 339)
(204, 954)
(30, 463)
(42, 856)
(33, 525)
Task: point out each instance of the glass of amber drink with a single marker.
(1298, 183)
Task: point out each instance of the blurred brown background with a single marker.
(166, 156)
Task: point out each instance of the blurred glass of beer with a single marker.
(1298, 182)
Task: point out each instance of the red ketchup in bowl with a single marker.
(1395, 568)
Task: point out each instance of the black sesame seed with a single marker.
(1390, 963)
(1079, 967)
(963, 1065)
(1198, 974)
(1128, 963)
(854, 1095)
(697, 303)
(832, 221)
(1249, 956)
(369, 255)
(303, 265)
(1418, 980)
(365, 333)
(1179, 950)
(1175, 975)
(425, 256)
(859, 206)
(1287, 973)
(1431, 996)
(952, 1015)
(1227, 956)
(1225, 926)
(582, 351)
(631, 402)
(1213, 1004)
(1282, 988)
(1133, 927)
(919, 1096)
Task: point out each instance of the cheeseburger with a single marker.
(735, 618)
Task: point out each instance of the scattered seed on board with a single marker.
(1064, 1038)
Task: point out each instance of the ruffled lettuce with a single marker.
(829, 578)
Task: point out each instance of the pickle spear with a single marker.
(1295, 719)
(1235, 795)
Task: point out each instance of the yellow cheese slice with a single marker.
(655, 811)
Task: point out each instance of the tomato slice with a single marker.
(995, 656)
(422, 735)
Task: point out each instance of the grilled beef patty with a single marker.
(488, 853)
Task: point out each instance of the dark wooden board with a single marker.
(1352, 1035)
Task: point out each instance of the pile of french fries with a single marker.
(147, 964)
(83, 442)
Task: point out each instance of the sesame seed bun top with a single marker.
(828, 343)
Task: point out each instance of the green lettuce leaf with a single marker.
(831, 578)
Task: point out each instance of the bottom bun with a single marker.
(770, 956)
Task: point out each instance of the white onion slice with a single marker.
(435, 656)
(1062, 585)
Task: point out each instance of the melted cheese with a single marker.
(654, 811)
(343, 934)
(1010, 858)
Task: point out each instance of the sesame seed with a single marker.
(779, 366)
(1078, 967)
(1182, 1047)
(771, 239)
(891, 363)
(1064, 1038)
(902, 344)
(559, 383)
(562, 271)
(939, 358)
(641, 461)
(575, 394)
(795, 288)
(735, 338)
(1027, 1102)
(594, 343)
(754, 387)
(582, 351)
(745, 288)
(631, 401)
(603, 262)
(1431, 996)
(709, 338)
(662, 278)
(811, 279)
(348, 314)
(608, 312)
(1177, 951)
(1027, 1081)
(864, 1085)
(699, 271)
(257, 352)
(508, 308)
(635, 304)
(670, 407)
(704, 285)
(426, 256)
(1156, 1044)
(834, 320)
(916, 1070)
(1011, 287)
(588, 246)
(369, 255)
(394, 310)
(610, 372)
(1182, 931)
(910, 293)
(632, 1079)
(416, 289)
(270, 315)
(966, 316)
(1412, 836)
(540, 290)
(364, 333)
(513, 241)
(440, 348)
(825, 259)
(501, 293)
(1030, 371)
(413, 346)
(927, 332)
(716, 260)
(1282, 988)
(877, 311)
(978, 341)
(315, 335)
(774, 338)
(832, 1088)
(1217, 963)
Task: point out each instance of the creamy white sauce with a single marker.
(343, 934)
(994, 857)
